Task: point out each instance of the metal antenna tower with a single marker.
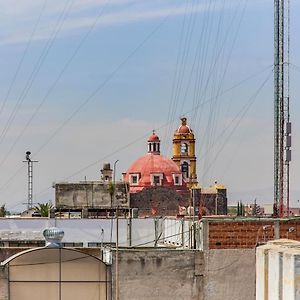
(282, 125)
(30, 179)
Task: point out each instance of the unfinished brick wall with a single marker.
(248, 233)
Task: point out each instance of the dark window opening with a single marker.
(134, 179)
(156, 180)
(185, 169)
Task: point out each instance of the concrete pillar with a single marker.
(3, 283)
(275, 275)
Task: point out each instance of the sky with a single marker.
(85, 82)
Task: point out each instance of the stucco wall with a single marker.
(160, 274)
(3, 284)
(229, 274)
(190, 275)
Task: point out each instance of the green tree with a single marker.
(43, 209)
(3, 211)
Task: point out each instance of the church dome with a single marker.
(150, 165)
(153, 137)
(184, 128)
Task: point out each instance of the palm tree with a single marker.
(44, 209)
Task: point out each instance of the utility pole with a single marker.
(282, 124)
(30, 179)
(117, 234)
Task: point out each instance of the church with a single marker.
(165, 186)
(153, 186)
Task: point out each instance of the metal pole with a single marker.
(117, 233)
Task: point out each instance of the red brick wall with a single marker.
(248, 233)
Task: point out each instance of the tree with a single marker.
(43, 209)
(3, 211)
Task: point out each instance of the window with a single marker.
(156, 179)
(185, 169)
(134, 179)
(177, 178)
(184, 148)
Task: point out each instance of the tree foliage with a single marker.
(3, 211)
(44, 209)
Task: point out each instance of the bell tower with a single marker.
(184, 152)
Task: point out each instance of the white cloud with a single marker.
(19, 17)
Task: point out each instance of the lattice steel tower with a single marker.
(282, 125)
(29, 162)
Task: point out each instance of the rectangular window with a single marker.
(176, 179)
(134, 179)
(156, 180)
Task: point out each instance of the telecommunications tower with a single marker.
(282, 124)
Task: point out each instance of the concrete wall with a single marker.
(187, 275)
(3, 284)
(165, 274)
(229, 274)
(160, 274)
(89, 195)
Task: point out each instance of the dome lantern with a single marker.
(154, 144)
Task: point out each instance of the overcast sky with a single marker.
(84, 82)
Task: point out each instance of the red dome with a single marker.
(153, 138)
(184, 129)
(152, 164)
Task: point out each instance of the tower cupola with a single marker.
(154, 144)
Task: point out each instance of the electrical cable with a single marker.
(35, 71)
(22, 58)
(54, 84)
(145, 135)
(101, 86)
(244, 110)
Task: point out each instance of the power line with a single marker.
(101, 86)
(80, 44)
(137, 139)
(36, 70)
(244, 111)
(146, 135)
(22, 58)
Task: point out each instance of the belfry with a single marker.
(184, 152)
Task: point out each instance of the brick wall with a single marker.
(248, 233)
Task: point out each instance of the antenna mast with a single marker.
(30, 179)
(282, 125)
